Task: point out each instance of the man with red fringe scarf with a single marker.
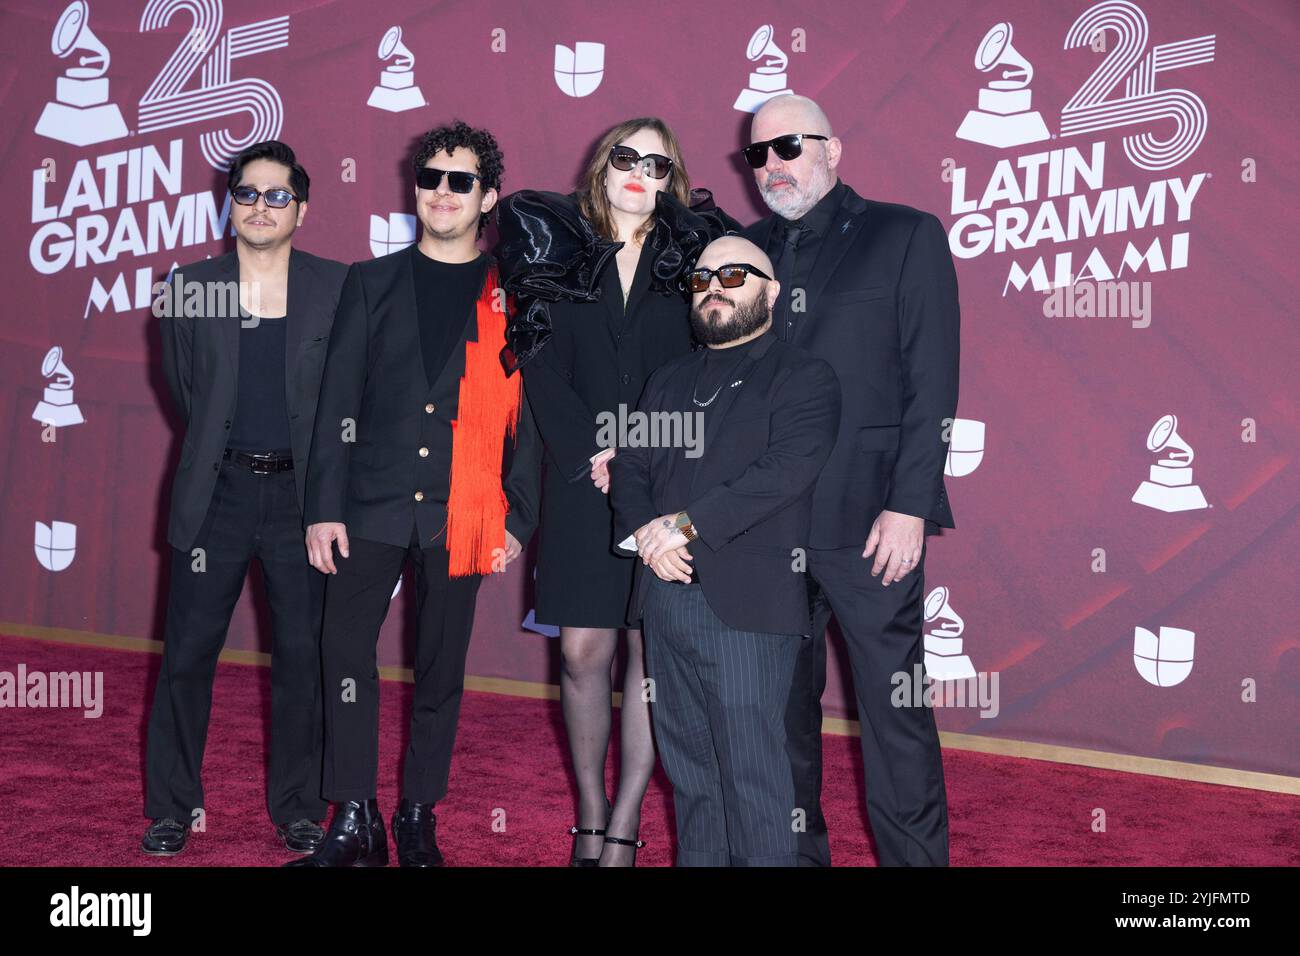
(424, 454)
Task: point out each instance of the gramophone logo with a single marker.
(57, 408)
(81, 113)
(391, 234)
(1165, 660)
(965, 447)
(578, 71)
(768, 80)
(1004, 118)
(56, 544)
(396, 91)
(1169, 486)
(944, 659)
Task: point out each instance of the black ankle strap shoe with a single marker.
(635, 843)
(576, 831)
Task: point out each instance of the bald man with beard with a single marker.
(870, 288)
(719, 529)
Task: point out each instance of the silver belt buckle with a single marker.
(261, 464)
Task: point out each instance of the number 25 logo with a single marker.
(1089, 111)
(165, 104)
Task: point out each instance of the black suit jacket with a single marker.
(751, 495)
(375, 377)
(201, 364)
(882, 310)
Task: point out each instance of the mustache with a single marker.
(776, 178)
(717, 298)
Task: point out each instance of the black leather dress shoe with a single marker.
(301, 836)
(165, 837)
(414, 832)
(355, 838)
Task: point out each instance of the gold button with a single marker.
(419, 496)
(424, 453)
(430, 408)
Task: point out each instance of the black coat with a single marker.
(374, 376)
(598, 357)
(751, 495)
(883, 311)
(201, 365)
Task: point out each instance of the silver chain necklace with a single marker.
(711, 397)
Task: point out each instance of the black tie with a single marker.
(785, 276)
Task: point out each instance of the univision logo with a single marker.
(578, 71)
(56, 544)
(391, 234)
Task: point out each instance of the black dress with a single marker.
(594, 356)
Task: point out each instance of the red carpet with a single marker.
(71, 789)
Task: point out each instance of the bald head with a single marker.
(789, 114)
(727, 249)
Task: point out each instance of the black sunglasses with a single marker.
(460, 182)
(276, 198)
(626, 158)
(730, 276)
(787, 147)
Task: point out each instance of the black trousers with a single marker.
(907, 804)
(356, 603)
(250, 516)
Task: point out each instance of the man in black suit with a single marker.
(869, 287)
(414, 352)
(244, 338)
(721, 527)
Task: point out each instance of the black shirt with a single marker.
(811, 229)
(445, 293)
(261, 421)
(717, 374)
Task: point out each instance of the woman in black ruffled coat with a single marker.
(599, 304)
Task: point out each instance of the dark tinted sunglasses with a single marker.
(787, 147)
(626, 158)
(275, 198)
(430, 178)
(730, 276)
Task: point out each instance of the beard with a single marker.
(712, 329)
(794, 202)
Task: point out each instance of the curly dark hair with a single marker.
(491, 165)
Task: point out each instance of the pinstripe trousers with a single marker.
(718, 709)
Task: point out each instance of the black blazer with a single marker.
(599, 356)
(201, 364)
(751, 496)
(374, 376)
(882, 310)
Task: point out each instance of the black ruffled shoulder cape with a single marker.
(549, 252)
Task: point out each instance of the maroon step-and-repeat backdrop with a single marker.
(1117, 180)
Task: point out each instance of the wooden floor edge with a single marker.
(977, 743)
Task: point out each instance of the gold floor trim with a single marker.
(1032, 750)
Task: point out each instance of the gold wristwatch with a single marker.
(683, 524)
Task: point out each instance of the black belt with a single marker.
(260, 463)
